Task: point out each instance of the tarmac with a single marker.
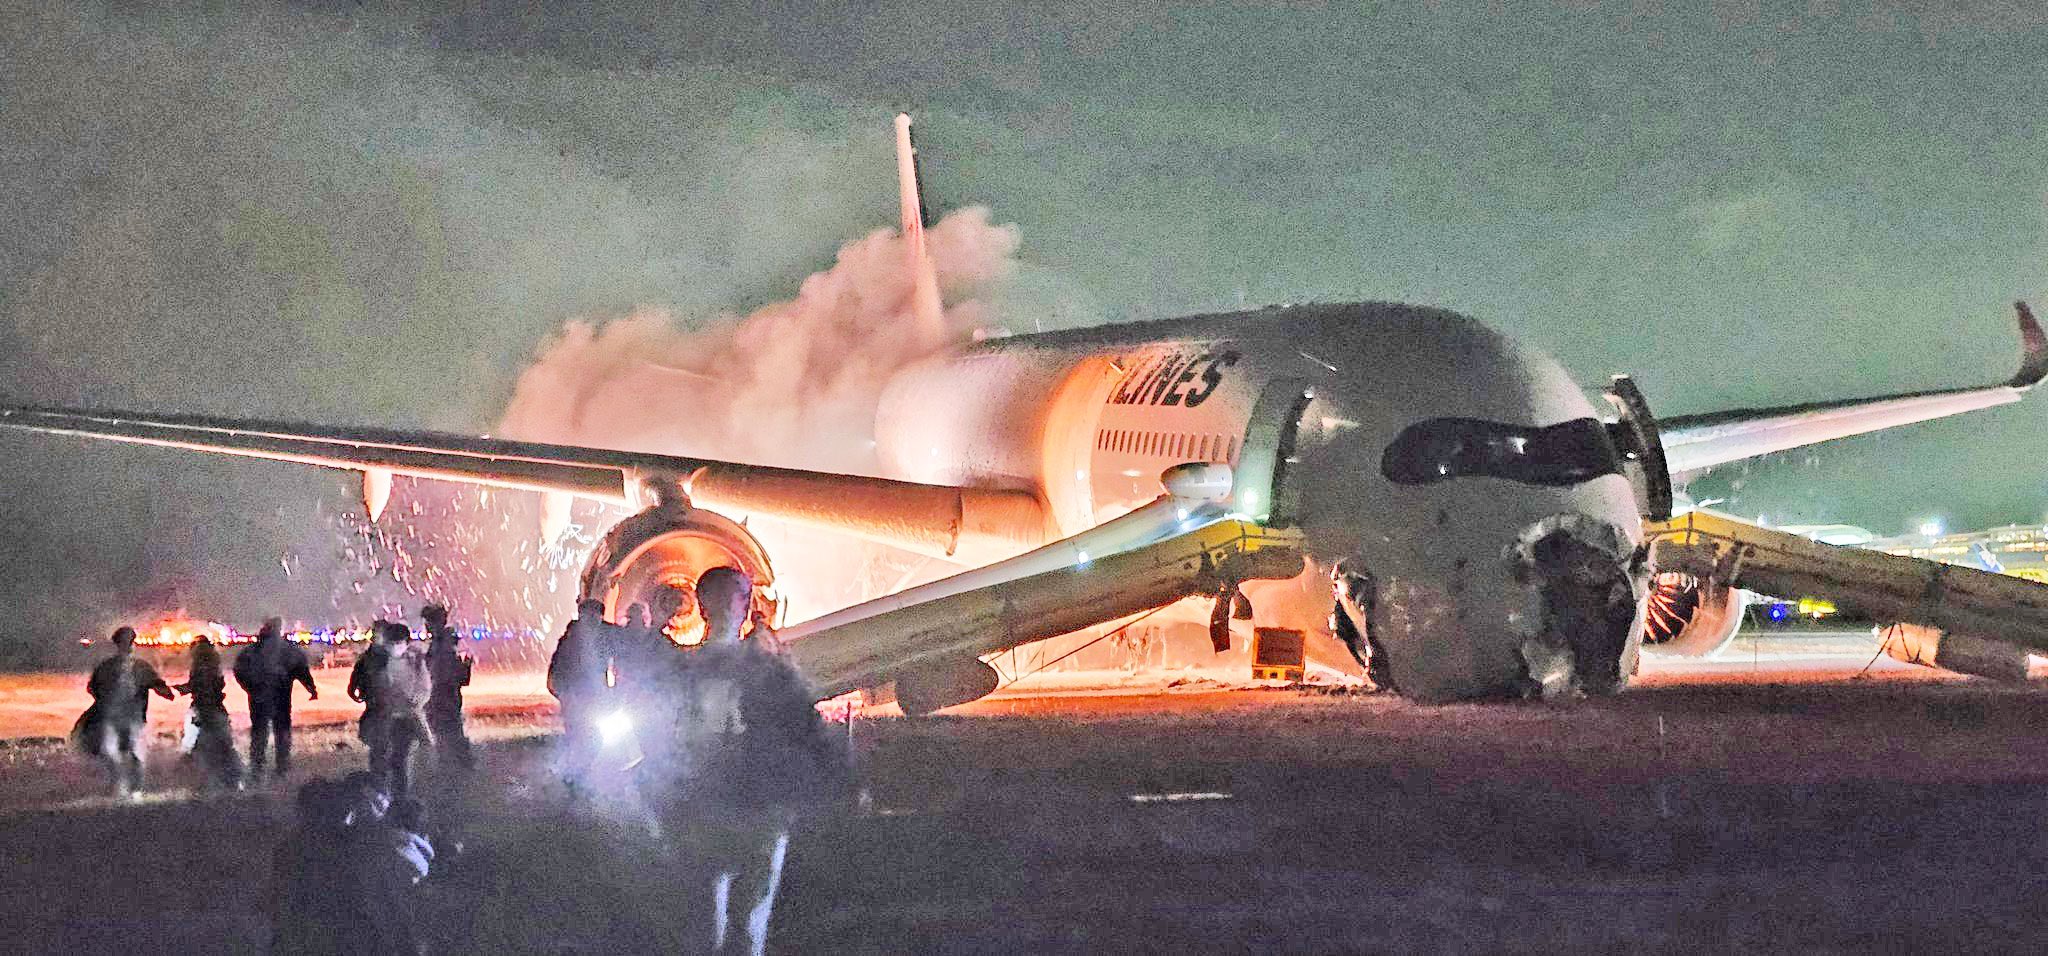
(1893, 812)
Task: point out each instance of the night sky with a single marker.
(347, 216)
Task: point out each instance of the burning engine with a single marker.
(1690, 616)
(670, 546)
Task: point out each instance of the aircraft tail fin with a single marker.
(925, 309)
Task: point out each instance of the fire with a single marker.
(177, 630)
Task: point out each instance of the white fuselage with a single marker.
(1089, 419)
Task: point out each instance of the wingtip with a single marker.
(2033, 350)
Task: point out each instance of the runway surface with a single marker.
(1887, 814)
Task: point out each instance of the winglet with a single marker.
(2033, 350)
(924, 289)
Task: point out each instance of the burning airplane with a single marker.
(1472, 523)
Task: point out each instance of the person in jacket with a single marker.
(449, 668)
(266, 671)
(114, 728)
(577, 678)
(393, 685)
(750, 756)
(214, 746)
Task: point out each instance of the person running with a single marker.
(114, 728)
(450, 670)
(266, 671)
(215, 745)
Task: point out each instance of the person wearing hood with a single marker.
(114, 728)
(266, 671)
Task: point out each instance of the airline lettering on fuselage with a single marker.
(1185, 378)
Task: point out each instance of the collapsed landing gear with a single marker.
(1351, 620)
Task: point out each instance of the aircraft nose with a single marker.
(1551, 610)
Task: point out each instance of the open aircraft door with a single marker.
(1640, 443)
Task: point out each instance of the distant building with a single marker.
(2018, 550)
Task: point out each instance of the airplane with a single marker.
(1471, 524)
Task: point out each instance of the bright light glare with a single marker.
(1931, 529)
(614, 727)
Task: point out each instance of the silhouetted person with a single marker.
(576, 676)
(751, 754)
(115, 727)
(215, 747)
(450, 669)
(266, 671)
(393, 685)
(643, 656)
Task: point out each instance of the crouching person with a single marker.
(341, 882)
(749, 758)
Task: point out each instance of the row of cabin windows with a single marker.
(1218, 448)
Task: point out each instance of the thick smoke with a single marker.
(794, 383)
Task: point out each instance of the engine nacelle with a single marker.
(1691, 616)
(935, 687)
(672, 546)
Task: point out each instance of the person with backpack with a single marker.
(266, 671)
(393, 685)
(114, 728)
(215, 740)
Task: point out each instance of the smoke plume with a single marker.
(795, 383)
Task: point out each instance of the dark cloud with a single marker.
(347, 215)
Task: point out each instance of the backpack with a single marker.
(404, 683)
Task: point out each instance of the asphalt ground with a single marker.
(1882, 814)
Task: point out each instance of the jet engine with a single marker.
(670, 546)
(1691, 616)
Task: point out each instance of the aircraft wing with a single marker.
(1693, 442)
(1175, 547)
(931, 519)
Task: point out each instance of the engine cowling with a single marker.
(671, 546)
(1690, 616)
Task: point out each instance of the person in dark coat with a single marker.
(750, 756)
(266, 671)
(115, 727)
(208, 689)
(576, 676)
(450, 670)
